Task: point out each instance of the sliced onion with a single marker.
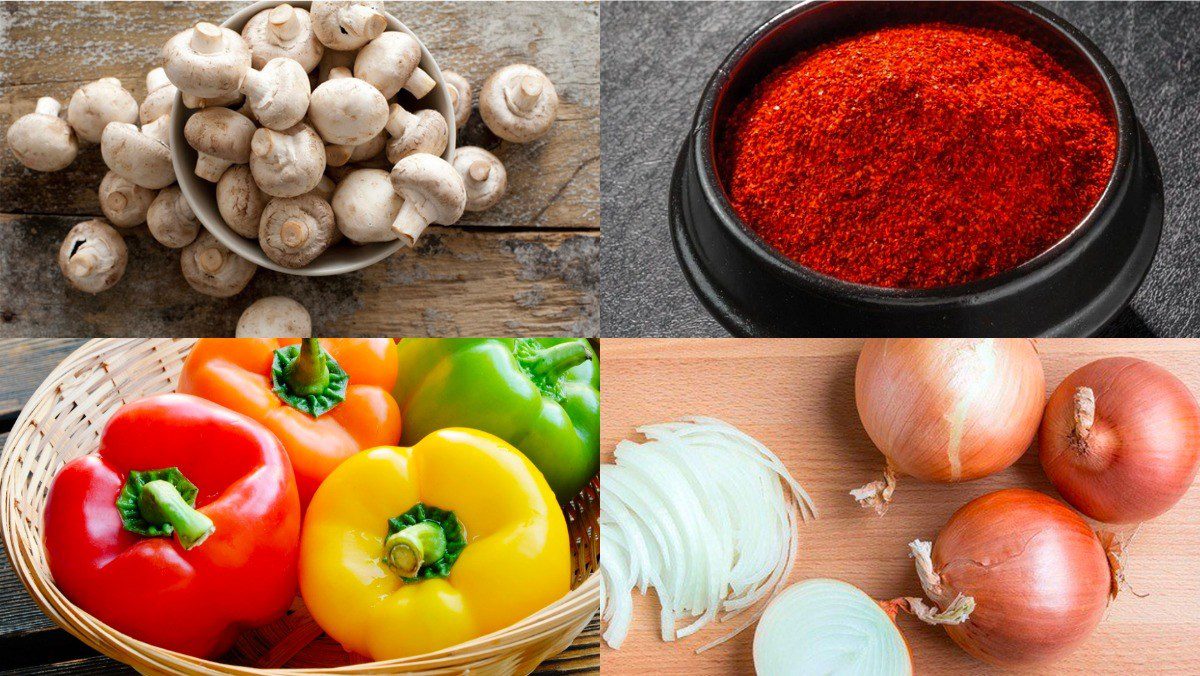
(699, 513)
(826, 626)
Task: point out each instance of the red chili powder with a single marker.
(918, 155)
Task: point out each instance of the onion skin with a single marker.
(1141, 452)
(1038, 573)
(950, 410)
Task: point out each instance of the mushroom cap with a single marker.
(41, 140)
(295, 230)
(347, 111)
(278, 94)
(512, 109)
(371, 149)
(431, 186)
(123, 202)
(365, 205)
(220, 132)
(139, 157)
(158, 103)
(426, 132)
(93, 256)
(460, 95)
(388, 61)
(171, 220)
(240, 201)
(95, 104)
(346, 24)
(274, 317)
(287, 163)
(214, 270)
(484, 177)
(283, 31)
(206, 61)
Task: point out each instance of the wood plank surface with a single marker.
(50, 49)
(30, 644)
(797, 397)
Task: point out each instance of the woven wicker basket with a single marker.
(63, 420)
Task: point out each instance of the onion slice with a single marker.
(704, 514)
(824, 626)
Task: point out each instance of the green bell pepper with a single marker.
(541, 395)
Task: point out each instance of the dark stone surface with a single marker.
(656, 58)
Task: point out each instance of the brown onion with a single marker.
(1017, 578)
(947, 410)
(1121, 439)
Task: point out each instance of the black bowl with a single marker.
(1073, 289)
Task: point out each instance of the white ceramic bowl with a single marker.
(341, 258)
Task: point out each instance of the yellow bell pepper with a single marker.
(406, 551)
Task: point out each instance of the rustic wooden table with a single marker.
(29, 642)
(530, 266)
(797, 397)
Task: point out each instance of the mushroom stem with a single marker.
(398, 120)
(206, 38)
(409, 223)
(294, 233)
(479, 171)
(526, 94)
(82, 263)
(420, 83)
(284, 23)
(210, 260)
(362, 20)
(339, 73)
(210, 167)
(47, 106)
(337, 155)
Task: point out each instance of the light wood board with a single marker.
(797, 397)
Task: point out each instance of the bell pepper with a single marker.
(325, 400)
(405, 551)
(182, 529)
(540, 395)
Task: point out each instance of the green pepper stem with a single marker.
(558, 359)
(409, 549)
(309, 372)
(161, 503)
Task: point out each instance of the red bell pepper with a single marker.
(182, 529)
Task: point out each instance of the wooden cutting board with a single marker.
(797, 397)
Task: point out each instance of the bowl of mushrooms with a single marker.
(280, 93)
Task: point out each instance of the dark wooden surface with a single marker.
(529, 266)
(29, 642)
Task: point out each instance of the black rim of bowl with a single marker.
(711, 184)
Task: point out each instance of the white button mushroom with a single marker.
(41, 140)
(171, 220)
(283, 31)
(274, 317)
(287, 163)
(137, 156)
(483, 177)
(124, 203)
(345, 24)
(93, 256)
(365, 206)
(424, 131)
(325, 188)
(518, 103)
(347, 111)
(159, 129)
(296, 230)
(278, 94)
(214, 270)
(160, 96)
(433, 192)
(206, 61)
(460, 96)
(390, 63)
(240, 201)
(221, 137)
(95, 104)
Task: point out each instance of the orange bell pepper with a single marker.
(238, 374)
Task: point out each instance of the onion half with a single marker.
(826, 626)
(1016, 577)
(705, 515)
(1120, 439)
(946, 410)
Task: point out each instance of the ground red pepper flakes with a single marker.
(918, 155)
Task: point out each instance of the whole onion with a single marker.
(947, 410)
(1017, 578)
(1121, 439)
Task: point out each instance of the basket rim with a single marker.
(140, 655)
